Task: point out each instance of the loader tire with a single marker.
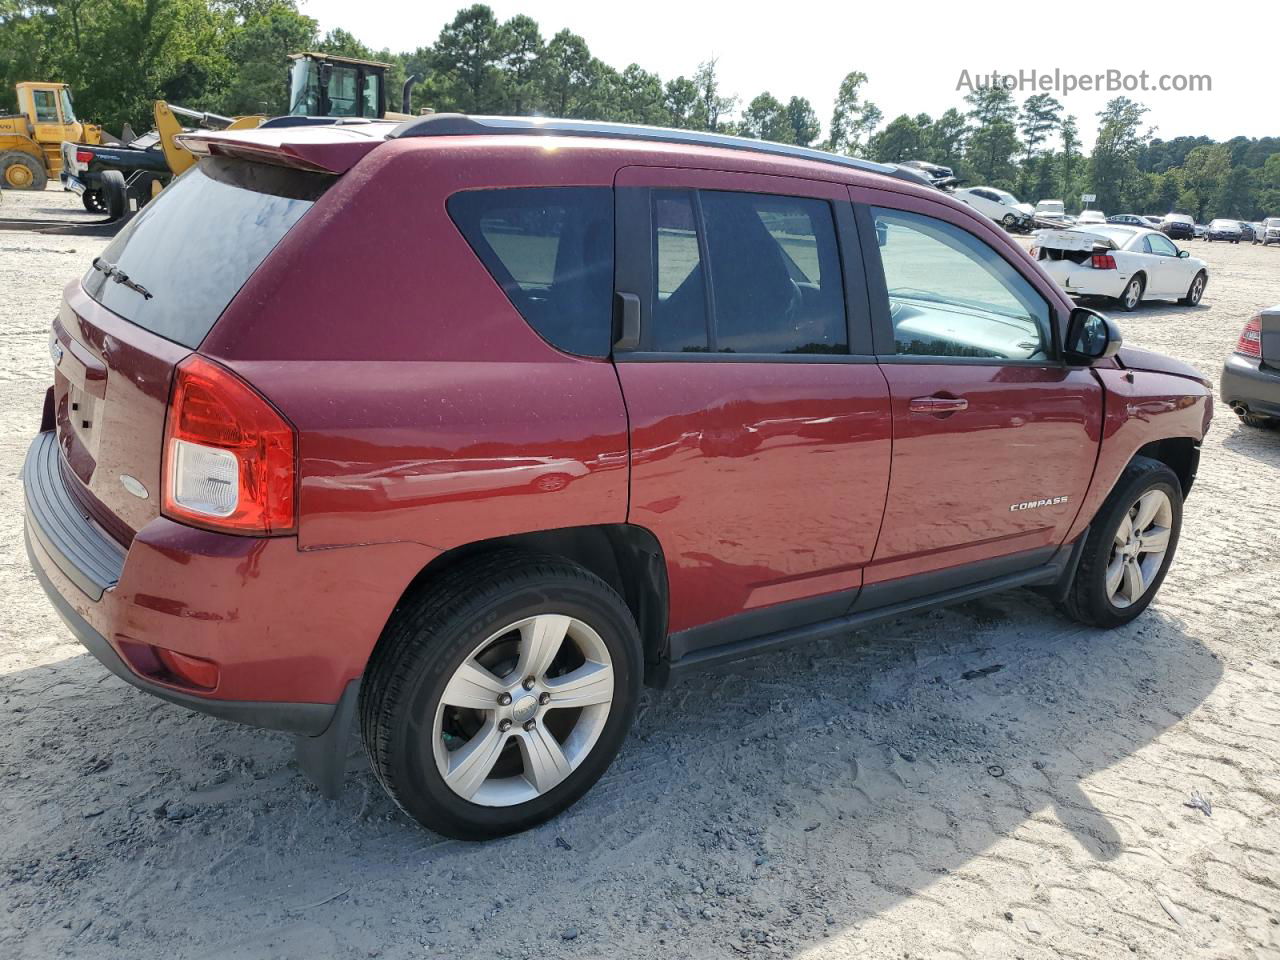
(21, 171)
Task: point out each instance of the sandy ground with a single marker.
(859, 799)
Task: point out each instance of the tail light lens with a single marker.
(1250, 343)
(84, 156)
(1103, 261)
(229, 456)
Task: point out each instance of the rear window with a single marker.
(551, 251)
(193, 247)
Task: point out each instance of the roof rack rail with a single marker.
(461, 125)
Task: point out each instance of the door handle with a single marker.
(938, 406)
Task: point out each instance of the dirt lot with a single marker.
(859, 799)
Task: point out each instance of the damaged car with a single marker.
(1124, 264)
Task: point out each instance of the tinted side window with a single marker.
(551, 251)
(776, 285)
(951, 295)
(680, 301)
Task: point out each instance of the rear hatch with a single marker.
(146, 303)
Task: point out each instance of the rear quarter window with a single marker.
(193, 247)
(551, 251)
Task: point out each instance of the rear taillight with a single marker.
(84, 156)
(1102, 261)
(229, 456)
(1250, 343)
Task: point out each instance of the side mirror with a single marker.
(1090, 336)
(1183, 254)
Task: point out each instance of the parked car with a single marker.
(1246, 231)
(1178, 226)
(1271, 231)
(1125, 264)
(223, 500)
(1200, 230)
(1251, 377)
(1091, 216)
(1151, 221)
(141, 163)
(1000, 205)
(1259, 230)
(1129, 220)
(1221, 229)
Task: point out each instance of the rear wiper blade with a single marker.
(119, 276)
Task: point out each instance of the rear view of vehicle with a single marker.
(1179, 226)
(1220, 229)
(1270, 231)
(159, 477)
(1251, 377)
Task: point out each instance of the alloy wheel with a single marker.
(1132, 294)
(523, 710)
(1197, 289)
(1138, 548)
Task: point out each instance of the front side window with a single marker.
(771, 263)
(46, 104)
(343, 101)
(952, 295)
(551, 251)
(68, 112)
(1161, 246)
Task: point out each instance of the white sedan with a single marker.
(1126, 264)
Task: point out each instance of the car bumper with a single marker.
(246, 604)
(1247, 382)
(1081, 281)
(71, 183)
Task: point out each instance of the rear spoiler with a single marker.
(332, 149)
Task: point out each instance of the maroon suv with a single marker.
(466, 428)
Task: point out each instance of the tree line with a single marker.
(228, 56)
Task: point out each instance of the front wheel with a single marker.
(1130, 546)
(1195, 291)
(499, 695)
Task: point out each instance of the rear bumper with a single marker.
(1246, 382)
(288, 629)
(1081, 281)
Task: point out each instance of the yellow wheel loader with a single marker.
(31, 140)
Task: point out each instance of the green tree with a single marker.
(949, 138)
(711, 105)
(903, 138)
(678, 99)
(803, 121)
(993, 142)
(852, 118)
(521, 60)
(1204, 177)
(766, 119)
(566, 74)
(466, 61)
(1113, 167)
(258, 49)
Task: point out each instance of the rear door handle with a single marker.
(938, 405)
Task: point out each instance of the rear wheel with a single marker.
(497, 697)
(1195, 291)
(1130, 546)
(1132, 295)
(115, 194)
(93, 201)
(21, 171)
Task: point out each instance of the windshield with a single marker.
(68, 113)
(180, 261)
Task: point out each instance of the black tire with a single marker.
(115, 194)
(1196, 290)
(93, 201)
(1087, 599)
(1123, 299)
(38, 179)
(433, 631)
